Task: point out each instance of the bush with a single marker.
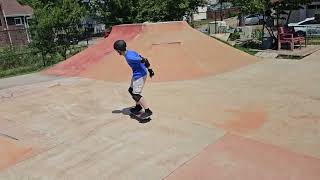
(20, 70)
(234, 36)
(13, 57)
(21, 60)
(252, 44)
(247, 50)
(257, 34)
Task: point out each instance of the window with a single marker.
(18, 21)
(28, 19)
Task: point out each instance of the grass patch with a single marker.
(313, 41)
(20, 71)
(290, 57)
(244, 49)
(247, 50)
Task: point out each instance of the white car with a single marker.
(254, 19)
(309, 25)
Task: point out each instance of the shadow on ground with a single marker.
(126, 112)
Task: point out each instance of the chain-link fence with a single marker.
(312, 33)
(23, 36)
(18, 56)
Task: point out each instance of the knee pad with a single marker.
(136, 97)
(130, 91)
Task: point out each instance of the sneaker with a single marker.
(136, 109)
(146, 114)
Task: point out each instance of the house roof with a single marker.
(13, 8)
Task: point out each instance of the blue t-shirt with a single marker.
(134, 60)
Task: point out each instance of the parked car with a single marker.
(309, 25)
(217, 6)
(253, 19)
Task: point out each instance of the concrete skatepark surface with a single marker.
(249, 120)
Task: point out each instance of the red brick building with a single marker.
(14, 22)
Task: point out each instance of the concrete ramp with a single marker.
(176, 52)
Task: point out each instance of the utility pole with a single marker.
(7, 27)
(221, 16)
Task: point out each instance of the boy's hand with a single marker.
(151, 73)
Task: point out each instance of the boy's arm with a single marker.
(147, 64)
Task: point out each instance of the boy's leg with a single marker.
(138, 107)
(137, 90)
(143, 103)
(137, 86)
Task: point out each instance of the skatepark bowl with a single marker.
(219, 113)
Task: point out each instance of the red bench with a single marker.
(287, 37)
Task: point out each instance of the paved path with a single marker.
(261, 122)
(25, 80)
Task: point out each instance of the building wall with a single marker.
(2, 23)
(17, 33)
(297, 16)
(308, 11)
(4, 38)
(313, 9)
(226, 13)
(19, 37)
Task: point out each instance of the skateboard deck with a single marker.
(138, 117)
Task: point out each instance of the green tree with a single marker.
(55, 23)
(42, 31)
(250, 7)
(132, 11)
(112, 12)
(167, 10)
(66, 18)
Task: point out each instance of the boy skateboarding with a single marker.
(140, 67)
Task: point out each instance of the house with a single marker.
(14, 19)
(200, 14)
(308, 11)
(93, 26)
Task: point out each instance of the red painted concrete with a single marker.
(237, 158)
(11, 152)
(244, 121)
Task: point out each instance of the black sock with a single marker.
(147, 110)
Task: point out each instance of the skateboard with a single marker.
(138, 117)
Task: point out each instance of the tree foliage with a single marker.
(133, 11)
(112, 11)
(251, 6)
(54, 25)
(167, 10)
